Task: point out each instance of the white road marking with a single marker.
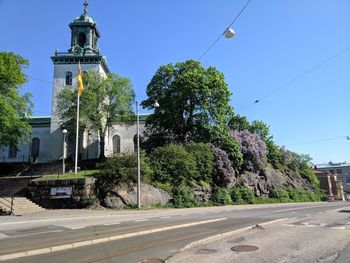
(165, 217)
(111, 224)
(298, 208)
(77, 227)
(338, 227)
(140, 220)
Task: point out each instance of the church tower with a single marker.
(84, 50)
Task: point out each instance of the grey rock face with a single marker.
(126, 195)
(202, 193)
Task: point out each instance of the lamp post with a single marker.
(64, 131)
(155, 105)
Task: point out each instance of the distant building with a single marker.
(342, 170)
(45, 140)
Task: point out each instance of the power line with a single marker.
(234, 20)
(347, 137)
(308, 71)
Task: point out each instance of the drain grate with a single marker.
(206, 251)
(152, 260)
(244, 248)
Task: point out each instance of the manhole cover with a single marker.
(206, 251)
(244, 248)
(151, 260)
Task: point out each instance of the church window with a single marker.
(68, 78)
(35, 147)
(116, 144)
(81, 39)
(12, 151)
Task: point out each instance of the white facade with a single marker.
(46, 137)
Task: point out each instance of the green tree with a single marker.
(103, 101)
(14, 107)
(239, 123)
(194, 102)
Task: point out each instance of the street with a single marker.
(131, 236)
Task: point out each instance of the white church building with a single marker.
(45, 140)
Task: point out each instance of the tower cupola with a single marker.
(84, 34)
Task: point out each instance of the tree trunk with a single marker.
(102, 148)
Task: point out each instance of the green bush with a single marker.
(173, 164)
(242, 195)
(247, 195)
(304, 195)
(183, 196)
(204, 157)
(221, 196)
(281, 194)
(122, 168)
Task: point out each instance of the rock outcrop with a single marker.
(125, 195)
(264, 182)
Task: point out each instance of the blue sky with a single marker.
(275, 42)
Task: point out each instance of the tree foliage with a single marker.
(194, 103)
(103, 101)
(15, 108)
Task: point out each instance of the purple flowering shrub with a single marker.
(253, 149)
(224, 175)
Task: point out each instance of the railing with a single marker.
(7, 203)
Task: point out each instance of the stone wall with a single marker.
(39, 191)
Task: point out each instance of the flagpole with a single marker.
(77, 139)
(77, 131)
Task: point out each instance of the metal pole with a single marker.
(138, 157)
(77, 140)
(64, 153)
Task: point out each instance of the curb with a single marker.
(344, 256)
(236, 231)
(52, 249)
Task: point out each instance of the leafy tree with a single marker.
(194, 103)
(14, 107)
(239, 123)
(103, 101)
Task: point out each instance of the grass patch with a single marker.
(70, 175)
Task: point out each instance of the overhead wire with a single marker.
(347, 137)
(220, 36)
(308, 71)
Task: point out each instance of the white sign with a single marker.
(61, 192)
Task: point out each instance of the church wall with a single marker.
(24, 148)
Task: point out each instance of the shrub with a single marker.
(236, 196)
(224, 174)
(221, 196)
(122, 168)
(204, 157)
(253, 149)
(281, 194)
(242, 195)
(247, 195)
(183, 196)
(173, 164)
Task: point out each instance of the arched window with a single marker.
(12, 151)
(116, 144)
(68, 78)
(35, 147)
(81, 39)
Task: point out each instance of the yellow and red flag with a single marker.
(80, 82)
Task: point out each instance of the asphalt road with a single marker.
(54, 228)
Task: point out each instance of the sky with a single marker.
(299, 43)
